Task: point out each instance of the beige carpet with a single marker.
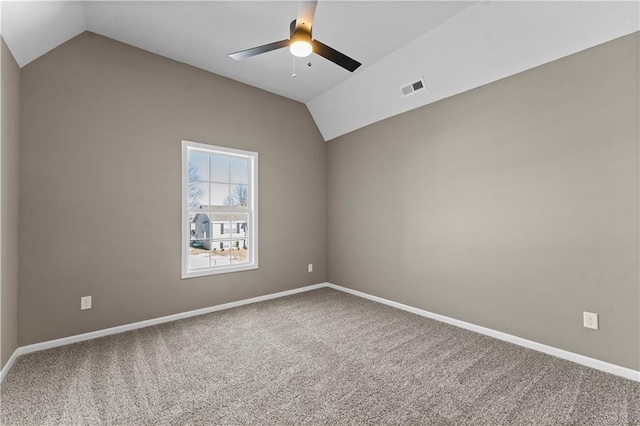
(322, 357)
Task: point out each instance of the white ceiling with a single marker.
(454, 45)
(486, 42)
(203, 33)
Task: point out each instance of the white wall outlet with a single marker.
(590, 320)
(310, 267)
(85, 303)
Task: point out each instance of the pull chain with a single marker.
(293, 75)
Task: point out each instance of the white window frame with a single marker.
(252, 210)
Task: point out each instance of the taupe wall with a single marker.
(10, 124)
(102, 124)
(513, 206)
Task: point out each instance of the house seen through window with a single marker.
(219, 210)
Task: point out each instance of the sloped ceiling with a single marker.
(203, 33)
(454, 45)
(32, 29)
(484, 43)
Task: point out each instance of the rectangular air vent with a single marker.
(411, 88)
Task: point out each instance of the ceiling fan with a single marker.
(301, 43)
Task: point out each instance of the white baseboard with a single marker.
(560, 353)
(147, 323)
(9, 364)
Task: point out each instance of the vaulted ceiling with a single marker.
(453, 45)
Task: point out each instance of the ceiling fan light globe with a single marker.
(301, 48)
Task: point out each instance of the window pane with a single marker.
(198, 166)
(219, 194)
(199, 226)
(239, 170)
(219, 168)
(240, 251)
(240, 225)
(221, 253)
(239, 196)
(220, 222)
(199, 254)
(198, 195)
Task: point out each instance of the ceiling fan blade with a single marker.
(334, 56)
(258, 50)
(306, 10)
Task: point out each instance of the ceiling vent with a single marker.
(411, 88)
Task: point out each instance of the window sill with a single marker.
(217, 271)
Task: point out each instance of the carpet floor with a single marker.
(320, 357)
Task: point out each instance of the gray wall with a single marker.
(10, 125)
(513, 206)
(102, 124)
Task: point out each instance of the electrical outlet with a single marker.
(590, 320)
(85, 303)
(310, 267)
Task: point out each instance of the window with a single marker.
(219, 210)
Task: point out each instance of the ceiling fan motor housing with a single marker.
(300, 41)
(293, 30)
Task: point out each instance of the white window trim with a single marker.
(253, 225)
